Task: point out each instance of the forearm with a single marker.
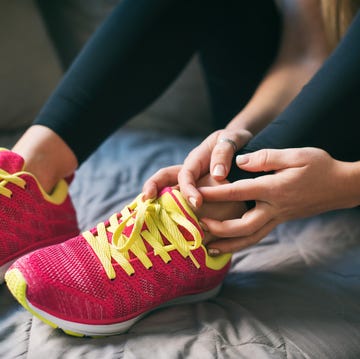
(279, 87)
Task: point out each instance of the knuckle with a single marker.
(184, 176)
(233, 194)
(189, 156)
(248, 229)
(263, 158)
(223, 149)
(161, 172)
(302, 154)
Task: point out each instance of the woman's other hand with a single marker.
(214, 155)
(303, 182)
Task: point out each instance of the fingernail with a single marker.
(204, 226)
(193, 201)
(213, 252)
(219, 170)
(242, 159)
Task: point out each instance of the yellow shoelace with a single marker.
(6, 178)
(158, 221)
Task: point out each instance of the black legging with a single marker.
(140, 50)
(326, 113)
(144, 45)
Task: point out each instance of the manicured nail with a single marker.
(219, 170)
(242, 159)
(213, 252)
(204, 226)
(193, 201)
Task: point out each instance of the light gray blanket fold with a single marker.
(294, 295)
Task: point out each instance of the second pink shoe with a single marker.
(29, 217)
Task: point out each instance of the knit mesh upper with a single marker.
(27, 220)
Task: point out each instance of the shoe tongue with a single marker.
(10, 161)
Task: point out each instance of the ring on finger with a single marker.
(230, 141)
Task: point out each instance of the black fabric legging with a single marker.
(326, 113)
(144, 45)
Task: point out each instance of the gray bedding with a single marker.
(294, 295)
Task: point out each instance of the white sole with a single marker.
(78, 329)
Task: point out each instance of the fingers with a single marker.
(187, 183)
(195, 166)
(249, 223)
(272, 160)
(240, 233)
(213, 155)
(228, 142)
(233, 245)
(243, 190)
(222, 154)
(163, 178)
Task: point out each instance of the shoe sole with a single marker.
(17, 286)
(3, 270)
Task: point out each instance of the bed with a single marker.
(294, 295)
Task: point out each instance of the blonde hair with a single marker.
(337, 16)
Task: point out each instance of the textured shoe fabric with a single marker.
(100, 283)
(29, 217)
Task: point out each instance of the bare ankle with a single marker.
(46, 156)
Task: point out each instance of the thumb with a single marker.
(270, 160)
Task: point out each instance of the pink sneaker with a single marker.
(100, 283)
(29, 217)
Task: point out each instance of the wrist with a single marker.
(351, 185)
(251, 120)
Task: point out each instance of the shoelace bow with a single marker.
(158, 221)
(6, 178)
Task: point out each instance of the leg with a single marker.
(324, 114)
(144, 45)
(133, 57)
(46, 155)
(243, 43)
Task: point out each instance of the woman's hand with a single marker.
(165, 177)
(214, 155)
(304, 182)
